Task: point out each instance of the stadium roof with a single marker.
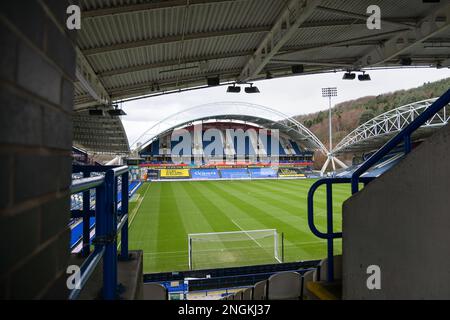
(235, 111)
(132, 48)
(376, 132)
(99, 134)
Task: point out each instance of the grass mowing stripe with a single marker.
(262, 214)
(170, 210)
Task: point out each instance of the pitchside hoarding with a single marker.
(174, 173)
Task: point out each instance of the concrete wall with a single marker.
(37, 70)
(401, 222)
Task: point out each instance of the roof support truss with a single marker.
(295, 13)
(89, 80)
(362, 17)
(428, 27)
(147, 6)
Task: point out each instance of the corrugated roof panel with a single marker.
(171, 52)
(226, 54)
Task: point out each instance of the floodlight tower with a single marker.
(329, 93)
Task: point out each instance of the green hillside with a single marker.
(348, 115)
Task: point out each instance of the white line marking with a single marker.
(134, 213)
(247, 233)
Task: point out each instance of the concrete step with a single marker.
(323, 290)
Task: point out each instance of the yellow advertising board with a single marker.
(287, 172)
(174, 173)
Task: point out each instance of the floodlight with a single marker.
(349, 76)
(234, 89)
(213, 81)
(364, 77)
(116, 112)
(251, 89)
(405, 61)
(298, 68)
(329, 92)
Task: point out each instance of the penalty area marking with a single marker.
(246, 233)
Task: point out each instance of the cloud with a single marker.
(292, 95)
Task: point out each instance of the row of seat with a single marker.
(288, 285)
(285, 285)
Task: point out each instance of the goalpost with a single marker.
(234, 248)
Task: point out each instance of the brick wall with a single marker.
(37, 70)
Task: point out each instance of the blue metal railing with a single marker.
(404, 136)
(109, 222)
(329, 235)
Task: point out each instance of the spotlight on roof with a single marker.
(298, 68)
(251, 89)
(116, 112)
(405, 61)
(234, 89)
(96, 112)
(349, 76)
(213, 81)
(364, 77)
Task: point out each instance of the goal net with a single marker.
(234, 248)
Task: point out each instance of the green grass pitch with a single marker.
(163, 213)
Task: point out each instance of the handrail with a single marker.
(402, 136)
(84, 184)
(120, 170)
(107, 224)
(87, 268)
(330, 235)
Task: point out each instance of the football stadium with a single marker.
(228, 199)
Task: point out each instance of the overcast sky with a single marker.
(292, 95)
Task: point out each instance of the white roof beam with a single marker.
(147, 6)
(210, 34)
(329, 63)
(352, 41)
(293, 16)
(171, 63)
(89, 80)
(172, 39)
(428, 27)
(363, 17)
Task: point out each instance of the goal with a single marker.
(234, 248)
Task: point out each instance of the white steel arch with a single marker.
(231, 110)
(378, 130)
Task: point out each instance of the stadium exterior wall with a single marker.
(400, 222)
(37, 70)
